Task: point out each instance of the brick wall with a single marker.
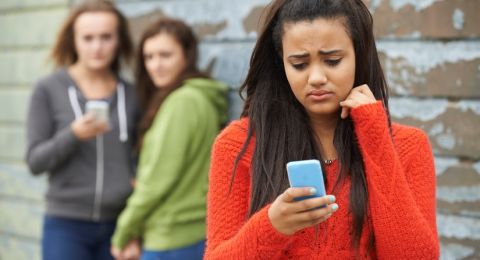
(28, 28)
(430, 51)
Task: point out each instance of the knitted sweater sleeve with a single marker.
(230, 234)
(401, 186)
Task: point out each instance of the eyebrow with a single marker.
(303, 55)
(329, 52)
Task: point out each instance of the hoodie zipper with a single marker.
(99, 179)
(100, 160)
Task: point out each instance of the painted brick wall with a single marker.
(430, 51)
(28, 28)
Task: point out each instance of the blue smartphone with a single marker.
(306, 173)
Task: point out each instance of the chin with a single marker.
(98, 66)
(162, 84)
(100, 63)
(323, 111)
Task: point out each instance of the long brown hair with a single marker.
(151, 97)
(280, 123)
(64, 52)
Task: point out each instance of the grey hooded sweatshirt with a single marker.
(88, 180)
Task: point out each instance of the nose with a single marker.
(317, 76)
(97, 45)
(153, 64)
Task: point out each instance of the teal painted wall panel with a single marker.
(20, 5)
(18, 248)
(13, 101)
(38, 28)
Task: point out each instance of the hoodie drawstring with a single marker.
(122, 113)
(121, 109)
(72, 95)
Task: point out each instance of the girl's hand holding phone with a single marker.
(88, 127)
(288, 215)
(361, 95)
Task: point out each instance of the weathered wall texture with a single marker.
(430, 51)
(27, 30)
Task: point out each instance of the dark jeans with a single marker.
(192, 252)
(71, 239)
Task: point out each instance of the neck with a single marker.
(94, 84)
(324, 130)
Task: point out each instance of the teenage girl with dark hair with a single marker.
(316, 90)
(184, 112)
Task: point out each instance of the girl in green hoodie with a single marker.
(183, 112)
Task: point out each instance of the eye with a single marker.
(147, 56)
(87, 38)
(165, 54)
(106, 37)
(333, 62)
(299, 66)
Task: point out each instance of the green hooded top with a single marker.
(168, 206)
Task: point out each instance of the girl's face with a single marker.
(96, 39)
(164, 59)
(319, 62)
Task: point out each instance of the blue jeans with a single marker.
(65, 238)
(192, 252)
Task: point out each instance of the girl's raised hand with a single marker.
(289, 216)
(358, 96)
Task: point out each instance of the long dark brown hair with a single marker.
(279, 122)
(151, 97)
(64, 52)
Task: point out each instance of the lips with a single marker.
(320, 94)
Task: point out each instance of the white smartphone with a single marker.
(99, 108)
(306, 173)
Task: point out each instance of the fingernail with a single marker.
(334, 207)
(313, 190)
(331, 198)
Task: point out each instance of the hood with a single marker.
(215, 91)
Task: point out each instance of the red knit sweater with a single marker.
(401, 197)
